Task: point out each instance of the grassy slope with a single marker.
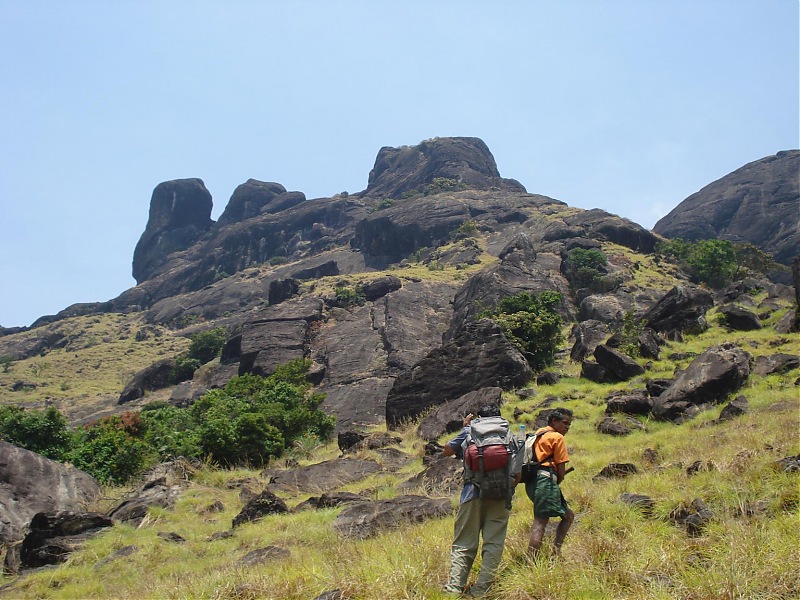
(613, 551)
(99, 358)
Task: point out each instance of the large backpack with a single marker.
(531, 467)
(489, 452)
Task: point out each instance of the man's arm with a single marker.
(448, 449)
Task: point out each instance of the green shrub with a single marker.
(207, 345)
(467, 229)
(585, 268)
(170, 431)
(712, 262)
(531, 323)
(109, 451)
(42, 431)
(349, 296)
(5, 362)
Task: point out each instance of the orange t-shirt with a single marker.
(553, 443)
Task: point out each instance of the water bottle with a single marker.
(522, 433)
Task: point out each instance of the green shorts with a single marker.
(548, 501)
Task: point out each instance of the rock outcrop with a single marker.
(464, 162)
(180, 213)
(710, 378)
(757, 203)
(479, 357)
(31, 483)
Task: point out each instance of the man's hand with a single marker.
(468, 419)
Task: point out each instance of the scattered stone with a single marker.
(264, 504)
(332, 595)
(640, 501)
(615, 426)
(170, 536)
(440, 475)
(622, 366)
(216, 506)
(263, 555)
(777, 363)
(790, 464)
(739, 319)
(31, 483)
(52, 537)
(324, 476)
(616, 471)
(711, 377)
(735, 408)
(365, 519)
(651, 456)
(348, 439)
(700, 466)
(637, 402)
(134, 508)
(548, 378)
(694, 517)
(220, 535)
(121, 553)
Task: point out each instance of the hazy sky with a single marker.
(629, 106)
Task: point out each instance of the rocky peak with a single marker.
(757, 203)
(466, 161)
(257, 197)
(180, 213)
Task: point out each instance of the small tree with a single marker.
(42, 431)
(6, 361)
(531, 323)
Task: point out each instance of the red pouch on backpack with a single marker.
(495, 456)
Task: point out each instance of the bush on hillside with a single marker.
(719, 262)
(531, 323)
(42, 431)
(110, 449)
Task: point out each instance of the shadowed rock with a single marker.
(739, 319)
(180, 213)
(681, 310)
(480, 357)
(266, 503)
(757, 203)
(711, 377)
(449, 417)
(323, 477)
(369, 518)
(31, 483)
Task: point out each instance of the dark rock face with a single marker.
(740, 319)
(602, 307)
(710, 377)
(618, 426)
(735, 408)
(180, 213)
(777, 363)
(266, 503)
(694, 517)
(449, 416)
(323, 477)
(31, 483)
(480, 357)
(599, 224)
(682, 309)
(156, 493)
(464, 160)
(637, 402)
(256, 197)
(622, 366)
(365, 519)
(390, 235)
(53, 536)
(154, 377)
(521, 270)
(588, 335)
(757, 203)
(616, 471)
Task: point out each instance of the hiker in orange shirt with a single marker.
(544, 490)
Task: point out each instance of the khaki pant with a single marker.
(476, 517)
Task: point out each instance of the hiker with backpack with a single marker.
(544, 468)
(492, 458)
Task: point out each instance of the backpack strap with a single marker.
(534, 457)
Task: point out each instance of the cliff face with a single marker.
(758, 203)
(454, 237)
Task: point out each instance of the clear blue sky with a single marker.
(629, 106)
